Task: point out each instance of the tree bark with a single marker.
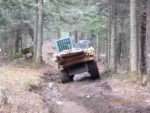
(40, 33)
(76, 36)
(133, 38)
(58, 34)
(113, 66)
(143, 45)
(108, 39)
(35, 31)
(18, 41)
(148, 38)
(97, 47)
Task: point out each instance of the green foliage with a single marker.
(108, 73)
(88, 16)
(3, 21)
(17, 55)
(29, 82)
(3, 36)
(14, 10)
(125, 77)
(31, 49)
(76, 13)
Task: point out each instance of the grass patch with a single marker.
(17, 55)
(30, 64)
(108, 73)
(134, 74)
(122, 77)
(125, 77)
(29, 82)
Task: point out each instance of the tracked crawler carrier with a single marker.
(74, 60)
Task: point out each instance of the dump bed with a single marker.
(74, 56)
(68, 55)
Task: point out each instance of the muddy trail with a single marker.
(98, 96)
(47, 95)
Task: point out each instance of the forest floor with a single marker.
(30, 91)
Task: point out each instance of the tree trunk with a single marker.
(35, 31)
(18, 39)
(40, 33)
(70, 34)
(58, 34)
(108, 40)
(17, 45)
(113, 36)
(143, 45)
(76, 36)
(148, 38)
(133, 39)
(119, 51)
(97, 47)
(83, 35)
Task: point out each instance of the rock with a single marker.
(145, 80)
(81, 76)
(88, 96)
(3, 98)
(51, 85)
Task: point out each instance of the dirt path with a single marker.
(61, 97)
(29, 91)
(16, 82)
(72, 107)
(105, 96)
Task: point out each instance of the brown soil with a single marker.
(16, 79)
(29, 91)
(100, 96)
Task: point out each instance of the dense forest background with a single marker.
(118, 29)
